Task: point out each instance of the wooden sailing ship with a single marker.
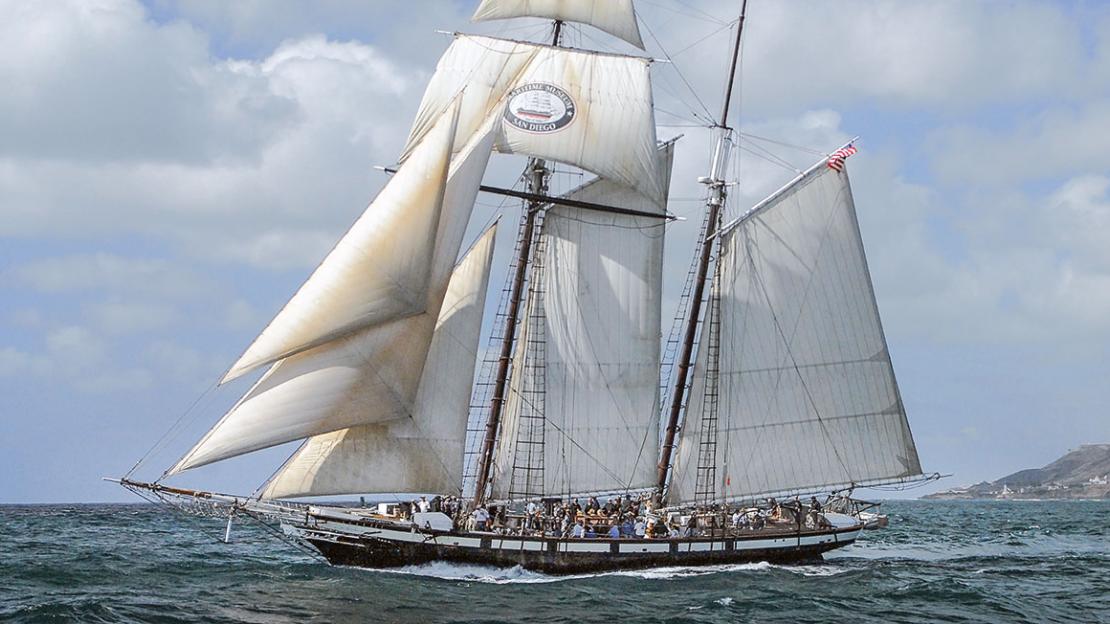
(777, 381)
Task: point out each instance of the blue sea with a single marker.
(939, 561)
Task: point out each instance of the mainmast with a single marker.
(537, 176)
(717, 194)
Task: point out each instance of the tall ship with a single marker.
(580, 438)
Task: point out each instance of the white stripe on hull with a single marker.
(343, 531)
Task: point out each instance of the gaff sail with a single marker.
(807, 395)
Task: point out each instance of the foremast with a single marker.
(537, 175)
(717, 183)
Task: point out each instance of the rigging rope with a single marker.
(173, 429)
(651, 32)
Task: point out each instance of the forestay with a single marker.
(419, 454)
(379, 271)
(587, 109)
(616, 17)
(368, 376)
(601, 284)
(807, 394)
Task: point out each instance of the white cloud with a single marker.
(270, 248)
(916, 55)
(1054, 142)
(130, 317)
(240, 314)
(74, 356)
(187, 365)
(110, 273)
(303, 127)
(98, 81)
(1031, 272)
(75, 348)
(1078, 215)
(14, 362)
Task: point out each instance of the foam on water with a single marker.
(507, 576)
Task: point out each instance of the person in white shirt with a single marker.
(640, 527)
(481, 518)
(578, 531)
(423, 504)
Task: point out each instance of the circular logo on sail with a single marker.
(540, 107)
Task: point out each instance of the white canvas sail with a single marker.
(586, 109)
(602, 285)
(378, 271)
(419, 454)
(368, 376)
(616, 17)
(807, 394)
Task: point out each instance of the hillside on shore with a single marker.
(1084, 473)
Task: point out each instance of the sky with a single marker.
(171, 171)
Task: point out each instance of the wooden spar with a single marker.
(574, 203)
(537, 180)
(686, 355)
(539, 198)
(732, 68)
(538, 172)
(714, 204)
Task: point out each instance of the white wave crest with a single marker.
(503, 576)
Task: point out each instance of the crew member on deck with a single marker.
(578, 531)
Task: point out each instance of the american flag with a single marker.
(836, 160)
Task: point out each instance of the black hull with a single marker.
(381, 553)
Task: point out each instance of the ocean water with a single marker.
(938, 562)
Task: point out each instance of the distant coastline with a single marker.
(1081, 474)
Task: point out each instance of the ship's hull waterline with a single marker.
(369, 546)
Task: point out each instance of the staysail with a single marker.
(600, 287)
(378, 271)
(807, 395)
(616, 17)
(587, 109)
(368, 376)
(418, 454)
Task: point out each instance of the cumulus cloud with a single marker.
(98, 81)
(937, 55)
(110, 273)
(127, 317)
(77, 357)
(16, 362)
(1051, 143)
(222, 158)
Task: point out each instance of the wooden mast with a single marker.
(714, 205)
(537, 179)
